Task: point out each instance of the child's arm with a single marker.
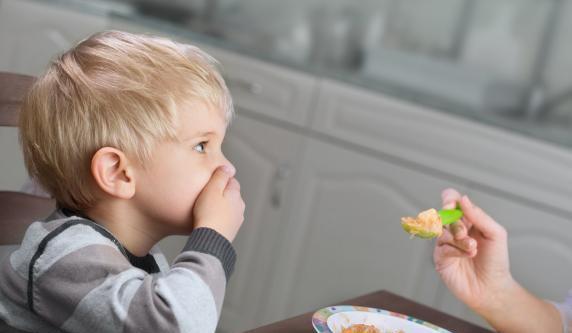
(472, 260)
(83, 282)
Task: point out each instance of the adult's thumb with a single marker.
(480, 220)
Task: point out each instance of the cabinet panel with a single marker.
(267, 89)
(345, 237)
(539, 244)
(266, 161)
(529, 169)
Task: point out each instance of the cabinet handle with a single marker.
(242, 84)
(280, 177)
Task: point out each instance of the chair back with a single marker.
(17, 209)
(13, 89)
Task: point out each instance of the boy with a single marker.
(125, 132)
(473, 262)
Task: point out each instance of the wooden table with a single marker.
(384, 300)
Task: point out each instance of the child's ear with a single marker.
(113, 173)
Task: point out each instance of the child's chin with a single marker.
(183, 230)
(174, 229)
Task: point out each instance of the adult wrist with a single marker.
(498, 299)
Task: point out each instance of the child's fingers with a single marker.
(232, 185)
(480, 220)
(450, 197)
(220, 178)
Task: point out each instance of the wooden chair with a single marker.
(17, 209)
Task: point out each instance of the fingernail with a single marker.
(228, 169)
(471, 244)
(459, 231)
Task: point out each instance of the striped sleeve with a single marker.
(82, 280)
(565, 309)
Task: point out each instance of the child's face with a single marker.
(177, 172)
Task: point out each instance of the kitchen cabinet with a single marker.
(441, 143)
(344, 238)
(266, 158)
(257, 86)
(267, 90)
(539, 244)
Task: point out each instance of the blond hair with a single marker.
(112, 89)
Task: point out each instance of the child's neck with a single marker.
(131, 229)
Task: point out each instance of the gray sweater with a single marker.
(71, 275)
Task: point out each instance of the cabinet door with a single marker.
(466, 149)
(344, 238)
(539, 248)
(32, 33)
(266, 160)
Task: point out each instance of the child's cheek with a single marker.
(202, 180)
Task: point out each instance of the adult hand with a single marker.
(471, 256)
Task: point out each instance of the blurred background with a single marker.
(351, 114)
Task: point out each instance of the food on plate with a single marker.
(426, 225)
(361, 328)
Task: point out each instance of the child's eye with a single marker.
(200, 147)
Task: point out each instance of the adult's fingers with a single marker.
(450, 197)
(459, 229)
(447, 250)
(466, 244)
(488, 227)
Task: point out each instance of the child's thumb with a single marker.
(220, 177)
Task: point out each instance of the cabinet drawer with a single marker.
(267, 89)
(494, 159)
(256, 86)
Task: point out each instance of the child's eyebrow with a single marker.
(199, 134)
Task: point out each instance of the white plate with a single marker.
(335, 318)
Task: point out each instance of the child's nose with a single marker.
(230, 167)
(226, 163)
